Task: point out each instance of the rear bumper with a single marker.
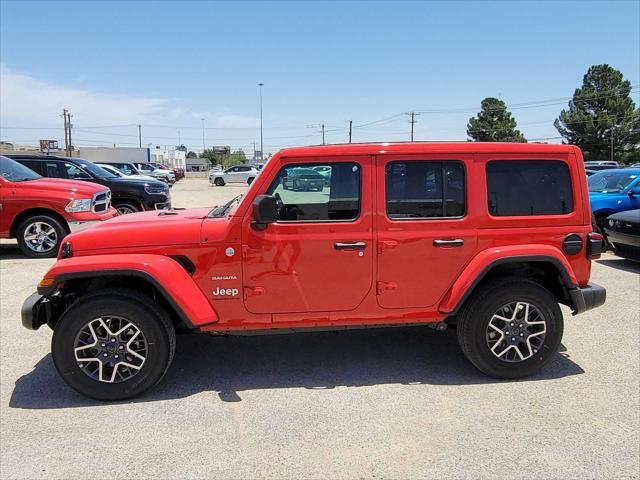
(587, 298)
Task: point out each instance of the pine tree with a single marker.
(602, 114)
(494, 123)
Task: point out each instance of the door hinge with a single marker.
(386, 245)
(382, 287)
(253, 291)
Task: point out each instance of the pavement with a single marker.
(388, 403)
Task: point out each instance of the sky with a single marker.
(167, 65)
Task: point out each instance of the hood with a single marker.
(144, 229)
(136, 181)
(76, 188)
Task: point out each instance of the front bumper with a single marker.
(587, 298)
(36, 311)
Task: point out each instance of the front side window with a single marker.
(528, 187)
(305, 195)
(75, 172)
(425, 189)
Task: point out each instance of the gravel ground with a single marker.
(396, 403)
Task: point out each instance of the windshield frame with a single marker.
(92, 169)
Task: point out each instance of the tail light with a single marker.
(594, 245)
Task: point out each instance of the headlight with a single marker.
(156, 190)
(611, 222)
(78, 205)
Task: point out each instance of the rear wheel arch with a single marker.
(545, 270)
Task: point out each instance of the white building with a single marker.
(169, 157)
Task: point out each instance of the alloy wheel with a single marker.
(40, 237)
(124, 210)
(110, 349)
(516, 331)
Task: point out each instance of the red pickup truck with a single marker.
(40, 212)
(487, 237)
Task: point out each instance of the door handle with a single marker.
(458, 242)
(350, 245)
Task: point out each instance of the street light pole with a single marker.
(261, 140)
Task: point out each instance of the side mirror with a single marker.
(265, 211)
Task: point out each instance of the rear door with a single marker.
(318, 256)
(425, 232)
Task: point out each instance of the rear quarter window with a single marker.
(528, 187)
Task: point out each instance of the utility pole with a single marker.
(66, 132)
(202, 119)
(254, 149)
(261, 141)
(323, 133)
(350, 129)
(179, 140)
(612, 143)
(413, 121)
(140, 135)
(69, 127)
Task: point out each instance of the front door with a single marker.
(319, 255)
(425, 234)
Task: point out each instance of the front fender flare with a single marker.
(164, 273)
(483, 262)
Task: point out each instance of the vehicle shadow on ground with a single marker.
(10, 251)
(621, 264)
(231, 365)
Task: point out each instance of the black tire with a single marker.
(473, 324)
(150, 319)
(29, 248)
(320, 188)
(219, 182)
(250, 180)
(125, 208)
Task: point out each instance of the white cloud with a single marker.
(26, 101)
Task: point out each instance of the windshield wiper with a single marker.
(221, 211)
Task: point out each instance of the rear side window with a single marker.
(528, 187)
(425, 189)
(310, 196)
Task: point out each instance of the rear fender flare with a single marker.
(164, 273)
(486, 260)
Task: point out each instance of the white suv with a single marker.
(237, 174)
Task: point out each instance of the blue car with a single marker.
(612, 191)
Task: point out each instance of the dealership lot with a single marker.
(391, 403)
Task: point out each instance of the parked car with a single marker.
(237, 174)
(601, 164)
(623, 234)
(612, 191)
(325, 172)
(166, 176)
(303, 180)
(40, 212)
(401, 237)
(129, 195)
(113, 170)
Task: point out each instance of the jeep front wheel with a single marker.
(219, 182)
(510, 328)
(113, 345)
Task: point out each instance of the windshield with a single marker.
(224, 209)
(610, 181)
(13, 171)
(111, 170)
(94, 169)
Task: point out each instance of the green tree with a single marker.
(191, 154)
(214, 159)
(236, 158)
(602, 114)
(494, 123)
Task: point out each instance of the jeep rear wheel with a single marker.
(113, 345)
(510, 328)
(40, 236)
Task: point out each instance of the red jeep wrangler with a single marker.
(40, 212)
(488, 237)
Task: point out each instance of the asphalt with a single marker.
(389, 403)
